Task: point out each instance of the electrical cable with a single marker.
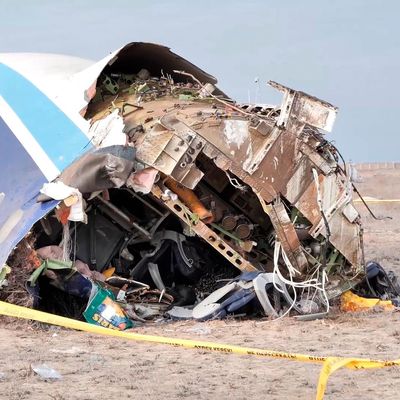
(235, 183)
(312, 283)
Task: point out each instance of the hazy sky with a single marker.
(345, 52)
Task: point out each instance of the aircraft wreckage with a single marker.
(136, 185)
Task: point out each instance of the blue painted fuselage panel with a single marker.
(21, 179)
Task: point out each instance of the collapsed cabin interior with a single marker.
(144, 241)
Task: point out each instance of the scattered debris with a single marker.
(352, 302)
(45, 372)
(379, 290)
(104, 311)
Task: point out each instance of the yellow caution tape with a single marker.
(329, 364)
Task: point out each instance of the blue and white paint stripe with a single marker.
(37, 141)
(54, 132)
(32, 147)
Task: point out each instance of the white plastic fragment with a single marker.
(46, 372)
(60, 191)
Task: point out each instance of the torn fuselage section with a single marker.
(187, 187)
(277, 153)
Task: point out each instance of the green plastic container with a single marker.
(104, 311)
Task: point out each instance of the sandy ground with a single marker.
(382, 237)
(95, 367)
